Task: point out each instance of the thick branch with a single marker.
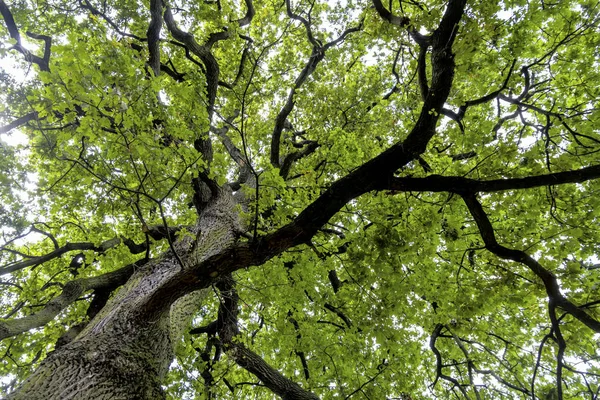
(365, 178)
(459, 184)
(439, 362)
(314, 59)
(154, 35)
(18, 122)
(273, 379)
(317, 55)
(289, 160)
(88, 6)
(249, 14)
(71, 292)
(388, 16)
(422, 71)
(13, 30)
(203, 52)
(307, 26)
(488, 97)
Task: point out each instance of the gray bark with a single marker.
(126, 350)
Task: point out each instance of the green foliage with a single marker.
(112, 152)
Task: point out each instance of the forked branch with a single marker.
(227, 328)
(13, 30)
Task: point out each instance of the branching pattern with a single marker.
(370, 200)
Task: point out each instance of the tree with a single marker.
(300, 199)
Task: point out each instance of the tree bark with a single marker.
(126, 350)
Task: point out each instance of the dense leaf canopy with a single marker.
(417, 183)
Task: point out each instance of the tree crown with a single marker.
(417, 184)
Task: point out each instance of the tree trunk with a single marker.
(126, 350)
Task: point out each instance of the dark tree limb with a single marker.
(422, 71)
(317, 55)
(13, 30)
(439, 365)
(247, 19)
(314, 59)
(156, 232)
(384, 13)
(365, 178)
(339, 313)
(549, 280)
(88, 6)
(234, 152)
(242, 65)
(217, 37)
(388, 16)
(203, 52)
(459, 184)
(289, 160)
(288, 8)
(488, 97)
(153, 35)
(247, 359)
(18, 122)
(299, 353)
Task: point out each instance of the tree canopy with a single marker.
(301, 198)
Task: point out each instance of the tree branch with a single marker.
(365, 178)
(71, 292)
(317, 55)
(88, 6)
(157, 232)
(388, 16)
(289, 160)
(247, 359)
(550, 282)
(13, 30)
(458, 184)
(153, 35)
(203, 52)
(19, 121)
(247, 19)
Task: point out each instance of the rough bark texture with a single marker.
(126, 350)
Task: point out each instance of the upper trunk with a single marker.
(126, 350)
